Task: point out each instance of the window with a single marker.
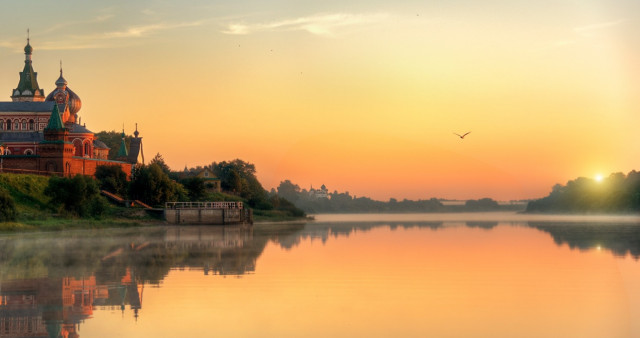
(16, 125)
(24, 125)
(8, 124)
(32, 125)
(86, 149)
(1, 124)
(77, 143)
(28, 152)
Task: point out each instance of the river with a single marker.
(375, 275)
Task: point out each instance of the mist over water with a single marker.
(499, 274)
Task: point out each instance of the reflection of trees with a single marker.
(621, 239)
(51, 282)
(482, 225)
(323, 231)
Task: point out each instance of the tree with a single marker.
(161, 163)
(288, 190)
(482, 204)
(239, 178)
(77, 196)
(111, 178)
(151, 185)
(113, 139)
(195, 188)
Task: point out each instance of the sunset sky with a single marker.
(362, 96)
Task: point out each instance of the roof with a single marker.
(78, 129)
(134, 149)
(28, 85)
(122, 152)
(100, 145)
(26, 136)
(31, 107)
(55, 122)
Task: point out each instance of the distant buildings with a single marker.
(211, 181)
(323, 192)
(43, 135)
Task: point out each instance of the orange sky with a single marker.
(360, 96)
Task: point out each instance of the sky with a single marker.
(362, 96)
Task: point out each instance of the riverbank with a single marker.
(29, 210)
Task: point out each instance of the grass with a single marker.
(34, 213)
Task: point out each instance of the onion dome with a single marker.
(28, 49)
(64, 95)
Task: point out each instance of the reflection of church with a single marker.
(55, 307)
(43, 135)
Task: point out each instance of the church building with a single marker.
(42, 134)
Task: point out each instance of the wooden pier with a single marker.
(207, 213)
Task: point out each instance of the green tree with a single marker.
(151, 185)
(159, 160)
(195, 188)
(113, 139)
(289, 191)
(239, 178)
(112, 179)
(76, 196)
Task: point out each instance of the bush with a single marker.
(7, 207)
(112, 179)
(72, 195)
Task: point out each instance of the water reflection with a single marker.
(621, 239)
(51, 283)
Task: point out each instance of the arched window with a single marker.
(8, 124)
(87, 149)
(24, 125)
(16, 125)
(32, 125)
(77, 144)
(28, 152)
(1, 124)
(51, 166)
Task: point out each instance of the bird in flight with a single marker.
(463, 135)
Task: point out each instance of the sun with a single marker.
(599, 177)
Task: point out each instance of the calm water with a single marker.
(417, 275)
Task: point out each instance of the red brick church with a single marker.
(43, 135)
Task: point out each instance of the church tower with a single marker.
(28, 89)
(55, 151)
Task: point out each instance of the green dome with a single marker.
(28, 49)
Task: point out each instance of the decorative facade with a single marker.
(43, 135)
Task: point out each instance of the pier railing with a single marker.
(203, 205)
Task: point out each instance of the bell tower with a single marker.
(28, 89)
(55, 151)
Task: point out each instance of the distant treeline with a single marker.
(322, 201)
(615, 194)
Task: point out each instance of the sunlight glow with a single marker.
(599, 177)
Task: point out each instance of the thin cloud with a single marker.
(584, 34)
(322, 25)
(598, 26)
(109, 39)
(59, 26)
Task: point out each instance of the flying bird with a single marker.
(463, 135)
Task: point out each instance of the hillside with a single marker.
(33, 211)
